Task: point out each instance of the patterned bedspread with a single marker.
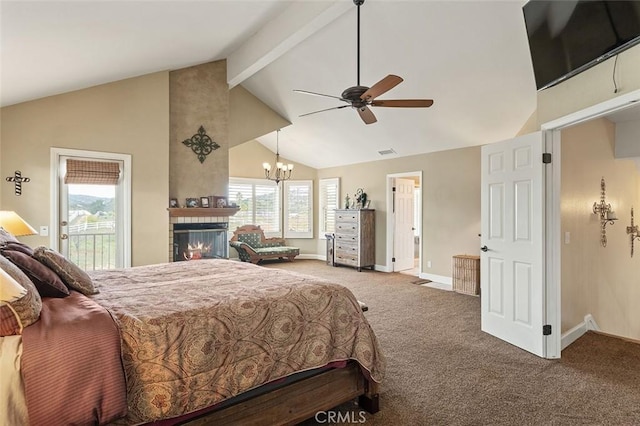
(196, 333)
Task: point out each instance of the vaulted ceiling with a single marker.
(471, 57)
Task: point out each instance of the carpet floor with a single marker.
(442, 370)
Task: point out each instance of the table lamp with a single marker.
(14, 224)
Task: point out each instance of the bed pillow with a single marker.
(18, 246)
(6, 236)
(46, 281)
(70, 273)
(16, 315)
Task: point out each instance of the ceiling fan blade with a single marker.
(323, 110)
(305, 92)
(384, 85)
(403, 103)
(367, 115)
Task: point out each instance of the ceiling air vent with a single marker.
(387, 151)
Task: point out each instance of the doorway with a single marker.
(554, 236)
(90, 207)
(404, 222)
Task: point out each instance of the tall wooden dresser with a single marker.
(355, 238)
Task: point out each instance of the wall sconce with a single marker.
(607, 215)
(633, 232)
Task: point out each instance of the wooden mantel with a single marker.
(202, 212)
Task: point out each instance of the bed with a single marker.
(230, 340)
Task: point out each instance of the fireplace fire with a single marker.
(197, 251)
(193, 241)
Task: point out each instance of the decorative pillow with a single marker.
(70, 273)
(10, 290)
(6, 236)
(15, 316)
(45, 280)
(17, 246)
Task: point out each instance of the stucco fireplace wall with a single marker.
(198, 96)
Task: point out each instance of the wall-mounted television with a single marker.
(568, 36)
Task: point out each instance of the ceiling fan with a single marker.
(362, 97)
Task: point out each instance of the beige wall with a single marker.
(199, 96)
(250, 118)
(450, 202)
(602, 281)
(245, 160)
(129, 116)
(590, 87)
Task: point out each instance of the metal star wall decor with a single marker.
(18, 180)
(201, 144)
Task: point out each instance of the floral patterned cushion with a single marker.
(283, 250)
(252, 238)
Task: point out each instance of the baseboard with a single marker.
(381, 268)
(312, 257)
(440, 279)
(576, 332)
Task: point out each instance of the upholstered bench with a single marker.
(252, 246)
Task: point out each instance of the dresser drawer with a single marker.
(346, 247)
(346, 238)
(346, 228)
(346, 217)
(346, 258)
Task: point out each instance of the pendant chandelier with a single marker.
(281, 171)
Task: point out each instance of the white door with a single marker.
(403, 230)
(93, 208)
(512, 226)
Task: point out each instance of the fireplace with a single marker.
(193, 241)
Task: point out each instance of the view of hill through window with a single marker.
(92, 226)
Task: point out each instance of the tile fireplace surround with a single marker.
(191, 219)
(197, 215)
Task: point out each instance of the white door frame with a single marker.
(553, 246)
(54, 218)
(390, 216)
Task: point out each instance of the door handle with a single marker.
(484, 248)
(64, 223)
(64, 236)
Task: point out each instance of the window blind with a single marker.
(92, 172)
(259, 203)
(329, 201)
(298, 209)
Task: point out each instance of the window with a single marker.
(329, 200)
(259, 202)
(298, 207)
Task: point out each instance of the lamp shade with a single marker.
(14, 224)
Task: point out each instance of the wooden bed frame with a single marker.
(301, 400)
